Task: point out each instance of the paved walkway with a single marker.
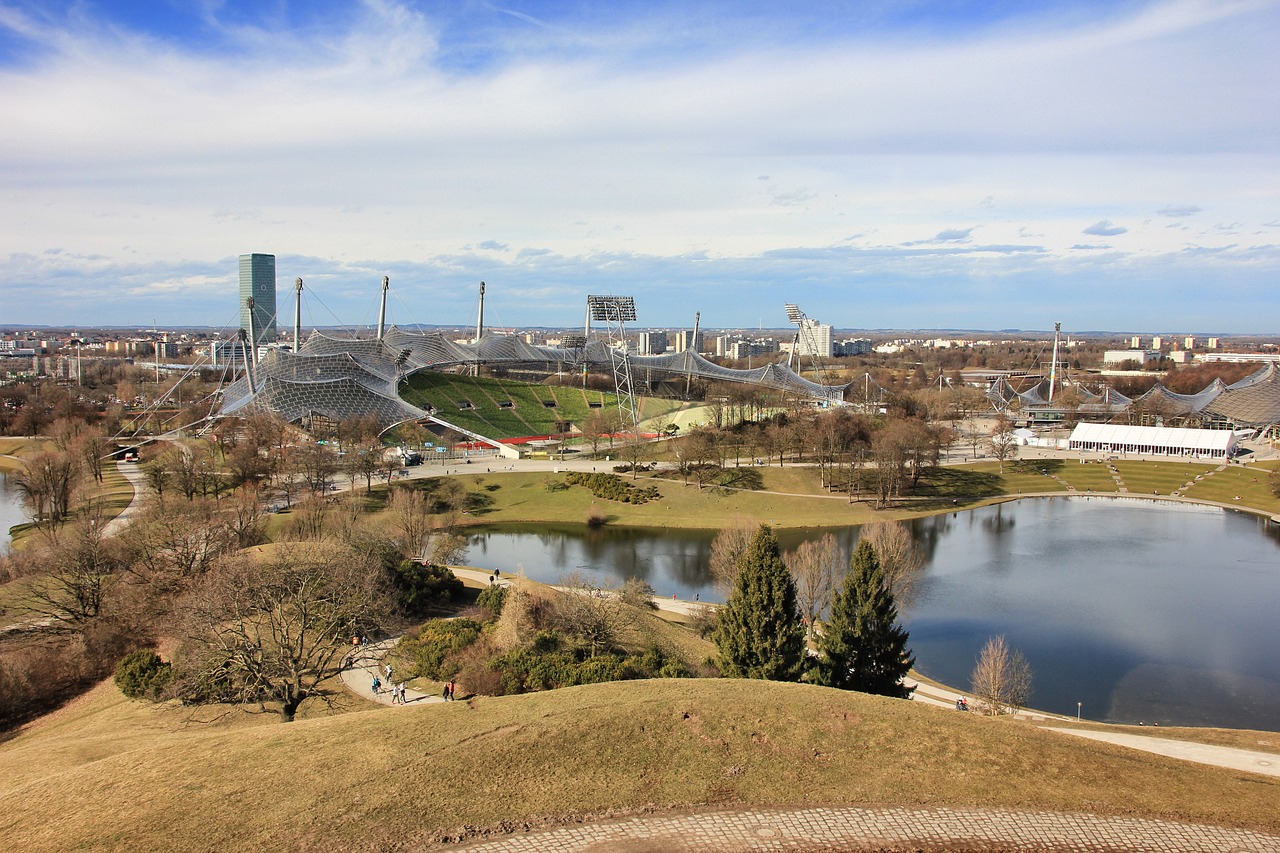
(362, 664)
(853, 829)
(1266, 763)
(133, 473)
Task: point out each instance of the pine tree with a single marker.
(861, 647)
(758, 631)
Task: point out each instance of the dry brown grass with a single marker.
(130, 775)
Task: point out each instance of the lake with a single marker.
(12, 512)
(1141, 611)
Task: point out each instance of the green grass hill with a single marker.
(107, 773)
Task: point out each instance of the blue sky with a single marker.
(883, 164)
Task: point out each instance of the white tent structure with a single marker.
(1154, 441)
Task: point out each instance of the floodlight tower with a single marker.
(615, 311)
(804, 326)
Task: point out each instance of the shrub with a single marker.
(430, 651)
(142, 675)
(638, 593)
(611, 487)
(421, 586)
(491, 598)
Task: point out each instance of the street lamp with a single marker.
(1078, 705)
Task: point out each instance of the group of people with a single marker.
(397, 690)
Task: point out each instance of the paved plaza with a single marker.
(881, 829)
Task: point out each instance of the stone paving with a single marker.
(854, 829)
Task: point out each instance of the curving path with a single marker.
(362, 664)
(882, 829)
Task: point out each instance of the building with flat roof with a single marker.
(258, 280)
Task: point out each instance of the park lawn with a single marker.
(1160, 478)
(1224, 486)
(1088, 476)
(148, 777)
(524, 497)
(1019, 477)
(13, 450)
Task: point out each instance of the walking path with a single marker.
(133, 473)
(365, 662)
(1266, 763)
(874, 829)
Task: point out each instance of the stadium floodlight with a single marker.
(573, 341)
(794, 314)
(617, 309)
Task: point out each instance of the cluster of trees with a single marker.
(882, 457)
(846, 610)
(760, 632)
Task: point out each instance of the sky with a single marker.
(883, 164)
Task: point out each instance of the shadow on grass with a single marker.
(946, 486)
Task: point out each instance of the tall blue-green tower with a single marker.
(258, 280)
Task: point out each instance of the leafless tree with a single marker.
(817, 566)
(410, 519)
(80, 564)
(274, 629)
(1001, 680)
(595, 617)
(1003, 443)
(727, 546)
(48, 482)
(900, 558)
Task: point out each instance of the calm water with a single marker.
(12, 511)
(1138, 611)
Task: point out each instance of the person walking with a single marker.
(376, 685)
(388, 672)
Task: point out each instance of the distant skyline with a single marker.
(886, 164)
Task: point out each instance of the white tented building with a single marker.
(1154, 441)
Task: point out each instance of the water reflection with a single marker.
(12, 512)
(1136, 610)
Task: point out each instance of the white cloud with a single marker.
(362, 142)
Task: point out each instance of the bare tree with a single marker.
(1003, 443)
(595, 617)
(410, 519)
(817, 566)
(1001, 680)
(274, 629)
(900, 558)
(727, 546)
(48, 482)
(79, 568)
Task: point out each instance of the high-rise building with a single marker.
(653, 343)
(685, 340)
(815, 339)
(258, 280)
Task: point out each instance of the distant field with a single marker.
(507, 408)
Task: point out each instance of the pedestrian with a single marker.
(451, 689)
(403, 698)
(388, 672)
(376, 685)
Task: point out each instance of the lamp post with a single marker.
(1078, 705)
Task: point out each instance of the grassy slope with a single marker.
(140, 777)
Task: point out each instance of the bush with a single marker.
(491, 598)
(638, 593)
(434, 646)
(142, 675)
(421, 586)
(611, 487)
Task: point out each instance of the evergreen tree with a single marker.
(861, 647)
(758, 631)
